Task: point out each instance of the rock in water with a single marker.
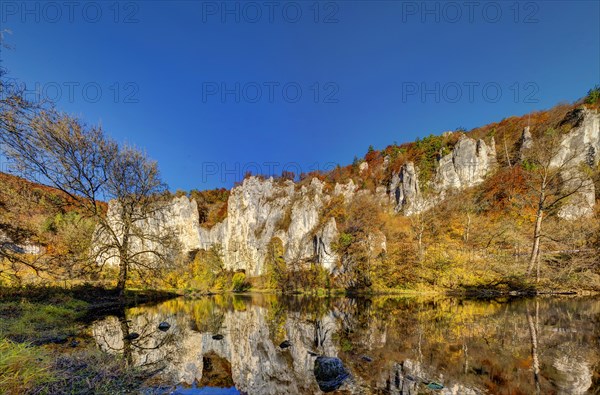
(164, 326)
(217, 337)
(435, 386)
(285, 344)
(132, 336)
(330, 373)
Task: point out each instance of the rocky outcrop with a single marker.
(405, 193)
(24, 247)
(168, 228)
(471, 161)
(347, 190)
(323, 245)
(525, 143)
(580, 147)
(467, 165)
(259, 210)
(582, 143)
(363, 167)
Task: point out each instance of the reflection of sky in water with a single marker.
(469, 347)
(206, 391)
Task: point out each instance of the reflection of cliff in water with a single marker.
(389, 345)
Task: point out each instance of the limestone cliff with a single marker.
(467, 165)
(261, 209)
(471, 161)
(580, 147)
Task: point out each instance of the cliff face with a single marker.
(471, 161)
(466, 166)
(580, 147)
(166, 230)
(262, 209)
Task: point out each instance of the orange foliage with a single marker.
(504, 189)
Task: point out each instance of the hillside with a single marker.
(455, 211)
(510, 205)
(40, 232)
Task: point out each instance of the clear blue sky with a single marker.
(370, 73)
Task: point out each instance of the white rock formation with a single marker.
(348, 190)
(7, 244)
(259, 210)
(404, 190)
(179, 218)
(471, 161)
(582, 143)
(581, 146)
(467, 165)
(363, 167)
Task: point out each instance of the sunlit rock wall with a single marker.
(471, 161)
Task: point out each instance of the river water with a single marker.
(268, 344)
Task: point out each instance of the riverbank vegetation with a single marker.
(46, 348)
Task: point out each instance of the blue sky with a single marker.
(212, 89)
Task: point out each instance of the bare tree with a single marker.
(557, 173)
(89, 168)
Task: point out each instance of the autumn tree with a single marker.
(556, 173)
(359, 243)
(275, 265)
(89, 168)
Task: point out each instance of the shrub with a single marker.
(593, 95)
(344, 241)
(277, 273)
(239, 283)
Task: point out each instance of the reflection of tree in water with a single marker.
(595, 344)
(322, 331)
(533, 333)
(207, 315)
(134, 338)
(498, 347)
(276, 319)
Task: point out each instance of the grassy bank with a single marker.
(44, 348)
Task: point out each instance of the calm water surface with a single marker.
(229, 344)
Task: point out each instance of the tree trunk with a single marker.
(420, 246)
(537, 234)
(467, 228)
(122, 278)
(123, 266)
(506, 152)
